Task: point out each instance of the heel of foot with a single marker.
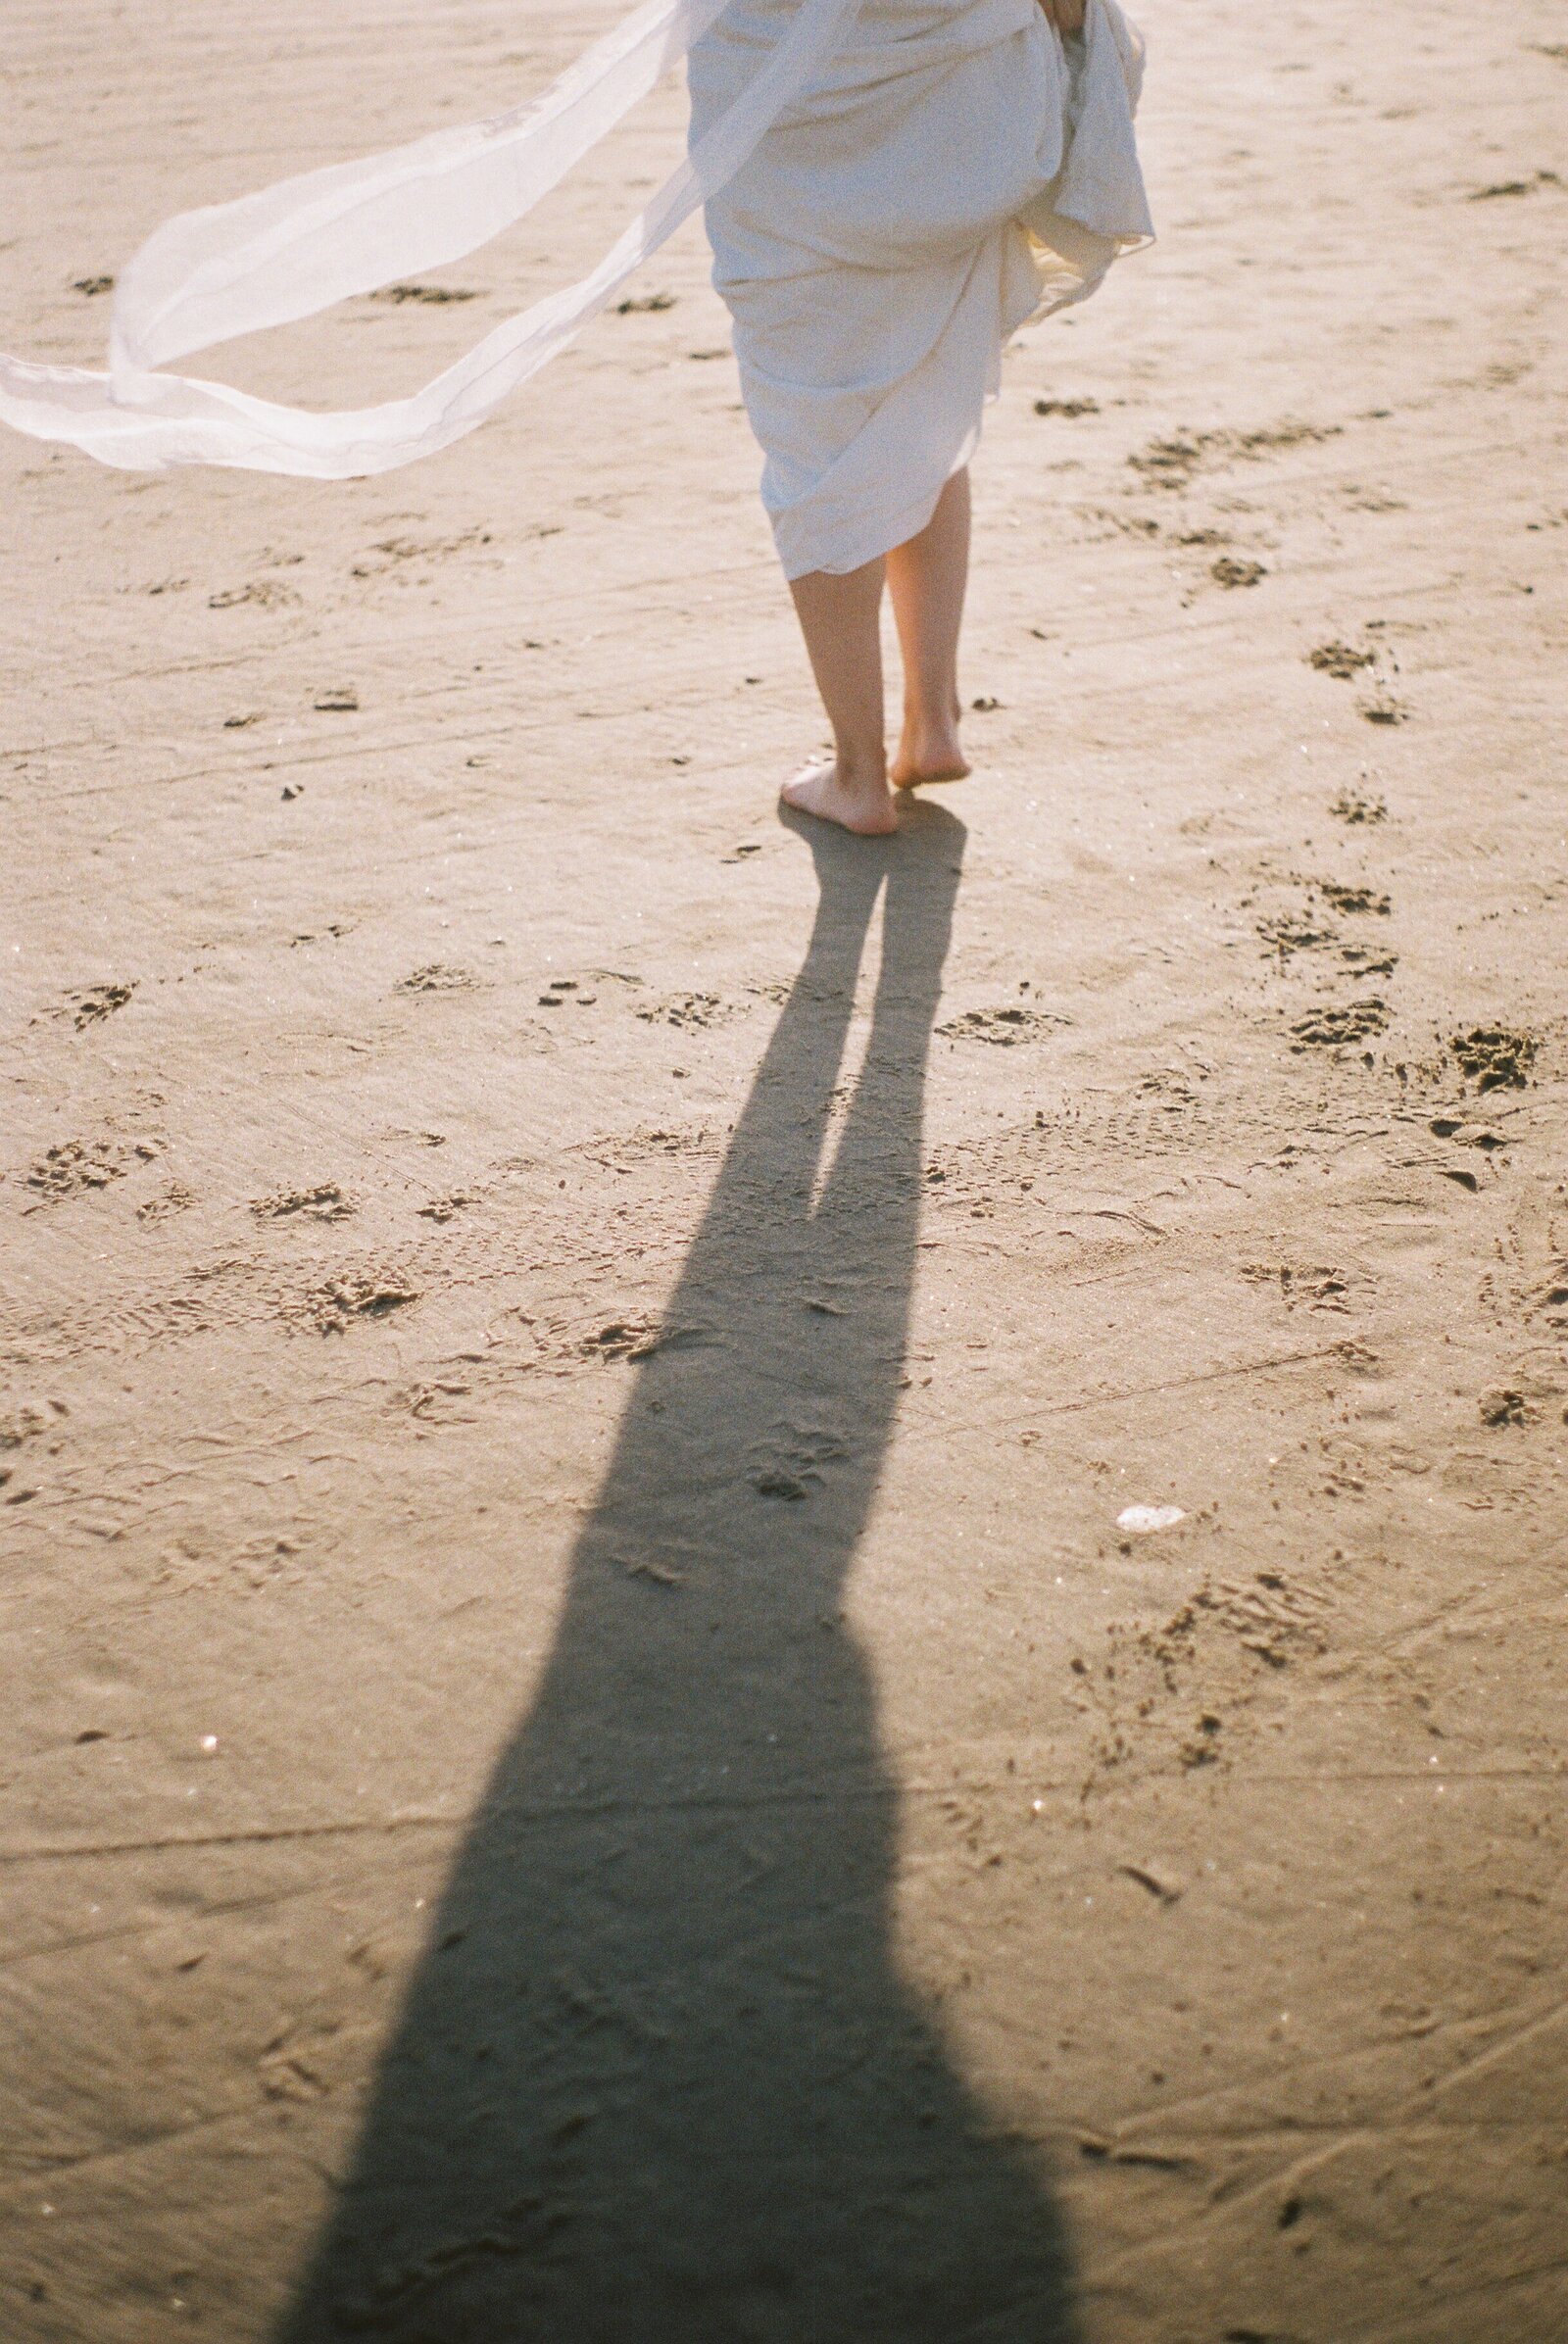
(916, 776)
(866, 807)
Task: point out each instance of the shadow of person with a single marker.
(659, 2080)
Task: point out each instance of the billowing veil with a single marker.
(301, 246)
(309, 242)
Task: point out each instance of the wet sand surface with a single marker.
(588, 1756)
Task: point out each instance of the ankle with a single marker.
(863, 768)
(925, 723)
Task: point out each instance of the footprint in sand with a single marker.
(442, 1209)
(1286, 933)
(1343, 660)
(26, 1421)
(1354, 899)
(94, 1003)
(1300, 1286)
(1003, 1028)
(1531, 186)
(1463, 1135)
(397, 550)
(76, 1167)
(686, 1010)
(268, 594)
(1365, 963)
(633, 1338)
(1174, 463)
(1355, 806)
(1495, 1057)
(324, 1203)
(438, 976)
(335, 1306)
(1335, 1025)
(566, 992)
(1228, 571)
(790, 1465)
(175, 1198)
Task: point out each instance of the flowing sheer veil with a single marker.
(307, 243)
(301, 246)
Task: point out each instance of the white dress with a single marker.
(875, 250)
(877, 173)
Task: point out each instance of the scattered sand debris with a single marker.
(435, 295)
(268, 594)
(1340, 659)
(1174, 461)
(1355, 899)
(1354, 806)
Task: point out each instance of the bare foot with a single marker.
(929, 756)
(861, 803)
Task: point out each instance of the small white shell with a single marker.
(1142, 1519)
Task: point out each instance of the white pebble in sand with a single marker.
(1142, 1519)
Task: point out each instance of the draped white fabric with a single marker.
(952, 170)
(307, 243)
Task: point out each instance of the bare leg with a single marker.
(927, 578)
(841, 620)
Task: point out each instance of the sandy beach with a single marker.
(763, 1588)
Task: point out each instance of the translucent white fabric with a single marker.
(307, 243)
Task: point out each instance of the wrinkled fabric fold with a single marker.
(953, 170)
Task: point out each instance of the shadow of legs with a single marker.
(659, 2081)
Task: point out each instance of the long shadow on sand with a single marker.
(659, 2080)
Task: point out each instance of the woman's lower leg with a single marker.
(841, 620)
(927, 578)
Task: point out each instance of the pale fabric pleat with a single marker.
(309, 242)
(1097, 209)
(953, 171)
